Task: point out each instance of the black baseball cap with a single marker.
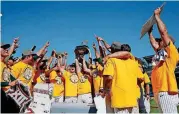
(73, 65)
(5, 46)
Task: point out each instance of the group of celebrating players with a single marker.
(115, 74)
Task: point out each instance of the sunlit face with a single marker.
(30, 60)
(97, 64)
(72, 69)
(10, 62)
(4, 52)
(59, 73)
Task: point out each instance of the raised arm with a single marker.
(100, 47)
(161, 27)
(118, 55)
(60, 60)
(154, 44)
(57, 67)
(85, 67)
(41, 57)
(104, 51)
(96, 51)
(90, 57)
(65, 59)
(13, 46)
(53, 54)
(78, 70)
(108, 47)
(43, 49)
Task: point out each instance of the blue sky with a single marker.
(67, 24)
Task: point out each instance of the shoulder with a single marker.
(171, 47)
(53, 73)
(19, 65)
(112, 60)
(3, 65)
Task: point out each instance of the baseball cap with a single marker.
(116, 46)
(5, 46)
(29, 52)
(73, 65)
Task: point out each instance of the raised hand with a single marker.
(157, 11)
(65, 53)
(60, 56)
(47, 44)
(150, 31)
(99, 39)
(16, 45)
(94, 45)
(16, 40)
(44, 52)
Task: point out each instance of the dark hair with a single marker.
(73, 65)
(126, 47)
(43, 66)
(115, 50)
(158, 40)
(24, 56)
(144, 70)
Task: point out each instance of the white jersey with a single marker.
(41, 101)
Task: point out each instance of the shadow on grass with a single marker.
(154, 107)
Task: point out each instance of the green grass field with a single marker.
(154, 108)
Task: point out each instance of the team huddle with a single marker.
(115, 75)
